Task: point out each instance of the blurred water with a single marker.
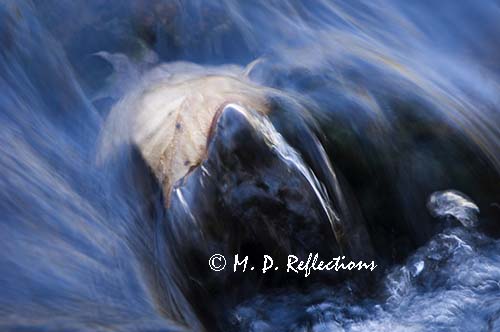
(406, 95)
(451, 284)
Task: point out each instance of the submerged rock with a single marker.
(242, 173)
(184, 118)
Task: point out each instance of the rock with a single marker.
(234, 181)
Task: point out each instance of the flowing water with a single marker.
(405, 97)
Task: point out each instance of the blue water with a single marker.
(406, 96)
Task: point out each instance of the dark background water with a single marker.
(406, 95)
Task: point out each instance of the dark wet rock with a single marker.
(250, 196)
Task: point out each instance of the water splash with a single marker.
(274, 139)
(451, 283)
(454, 204)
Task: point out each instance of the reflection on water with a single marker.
(405, 97)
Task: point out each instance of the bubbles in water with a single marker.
(450, 284)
